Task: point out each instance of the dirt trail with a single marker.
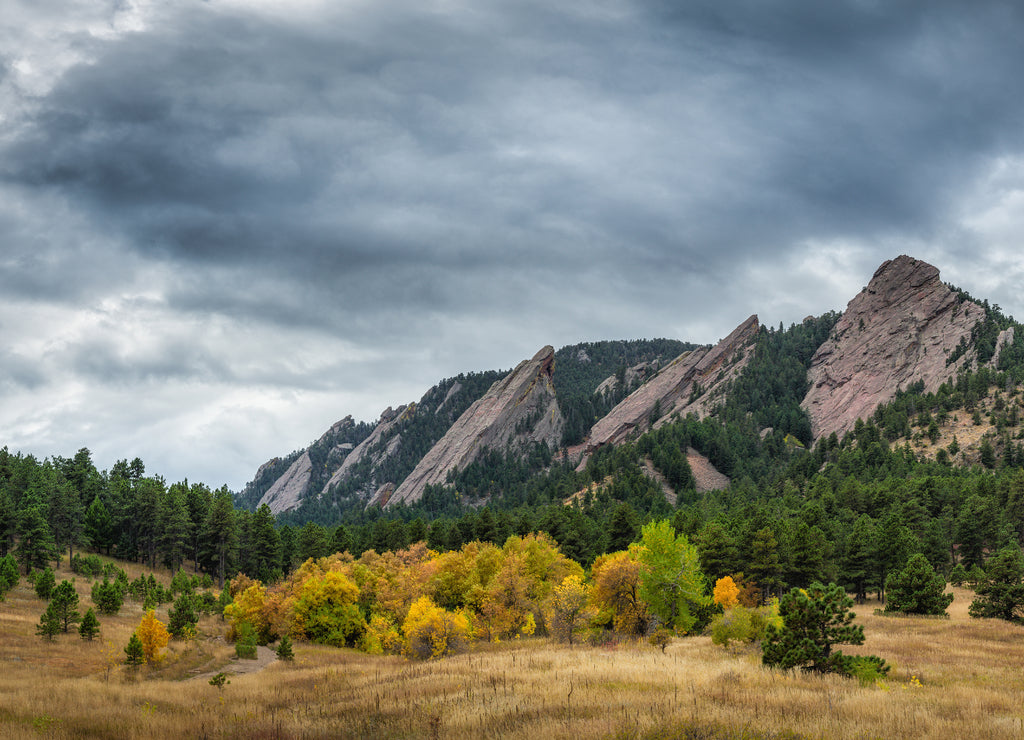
(238, 666)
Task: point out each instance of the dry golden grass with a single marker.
(969, 672)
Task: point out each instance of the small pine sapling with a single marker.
(284, 649)
(90, 626)
(49, 623)
(134, 655)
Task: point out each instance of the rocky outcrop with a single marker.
(633, 376)
(690, 383)
(518, 409)
(371, 447)
(287, 492)
(902, 328)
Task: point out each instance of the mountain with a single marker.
(904, 327)
(735, 406)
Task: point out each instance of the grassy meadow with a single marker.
(950, 678)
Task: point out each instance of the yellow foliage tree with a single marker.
(326, 610)
(567, 608)
(616, 592)
(153, 635)
(726, 593)
(433, 632)
(250, 606)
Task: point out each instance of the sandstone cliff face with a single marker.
(371, 447)
(900, 329)
(288, 490)
(520, 408)
(672, 390)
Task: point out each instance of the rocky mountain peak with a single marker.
(901, 328)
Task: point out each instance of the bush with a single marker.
(245, 641)
(433, 632)
(743, 624)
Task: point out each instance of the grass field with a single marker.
(951, 678)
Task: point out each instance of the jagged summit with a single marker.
(901, 328)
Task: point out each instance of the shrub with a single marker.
(433, 632)
(245, 641)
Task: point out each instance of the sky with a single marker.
(227, 224)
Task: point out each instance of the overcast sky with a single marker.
(225, 225)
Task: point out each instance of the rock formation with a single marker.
(901, 328)
(371, 447)
(520, 408)
(690, 383)
(288, 490)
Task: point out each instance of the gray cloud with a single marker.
(208, 201)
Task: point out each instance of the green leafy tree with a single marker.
(1000, 592)
(671, 582)
(45, 581)
(90, 626)
(814, 620)
(917, 589)
(65, 601)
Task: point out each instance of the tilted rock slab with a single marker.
(526, 396)
(389, 419)
(709, 368)
(900, 329)
(287, 492)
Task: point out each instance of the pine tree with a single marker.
(183, 616)
(917, 589)
(44, 583)
(9, 575)
(219, 536)
(90, 626)
(1000, 591)
(98, 526)
(65, 601)
(175, 528)
(265, 545)
(814, 620)
(49, 623)
(134, 655)
(284, 649)
(35, 542)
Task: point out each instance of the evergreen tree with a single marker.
(148, 494)
(265, 545)
(312, 542)
(90, 626)
(66, 515)
(134, 655)
(9, 575)
(917, 589)
(287, 538)
(183, 616)
(284, 649)
(857, 563)
(64, 600)
(1000, 592)
(814, 620)
(219, 535)
(45, 581)
(98, 527)
(35, 543)
(622, 528)
(107, 596)
(175, 528)
(49, 623)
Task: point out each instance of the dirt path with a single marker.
(238, 666)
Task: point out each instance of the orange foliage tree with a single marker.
(616, 592)
(726, 593)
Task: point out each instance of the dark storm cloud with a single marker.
(409, 184)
